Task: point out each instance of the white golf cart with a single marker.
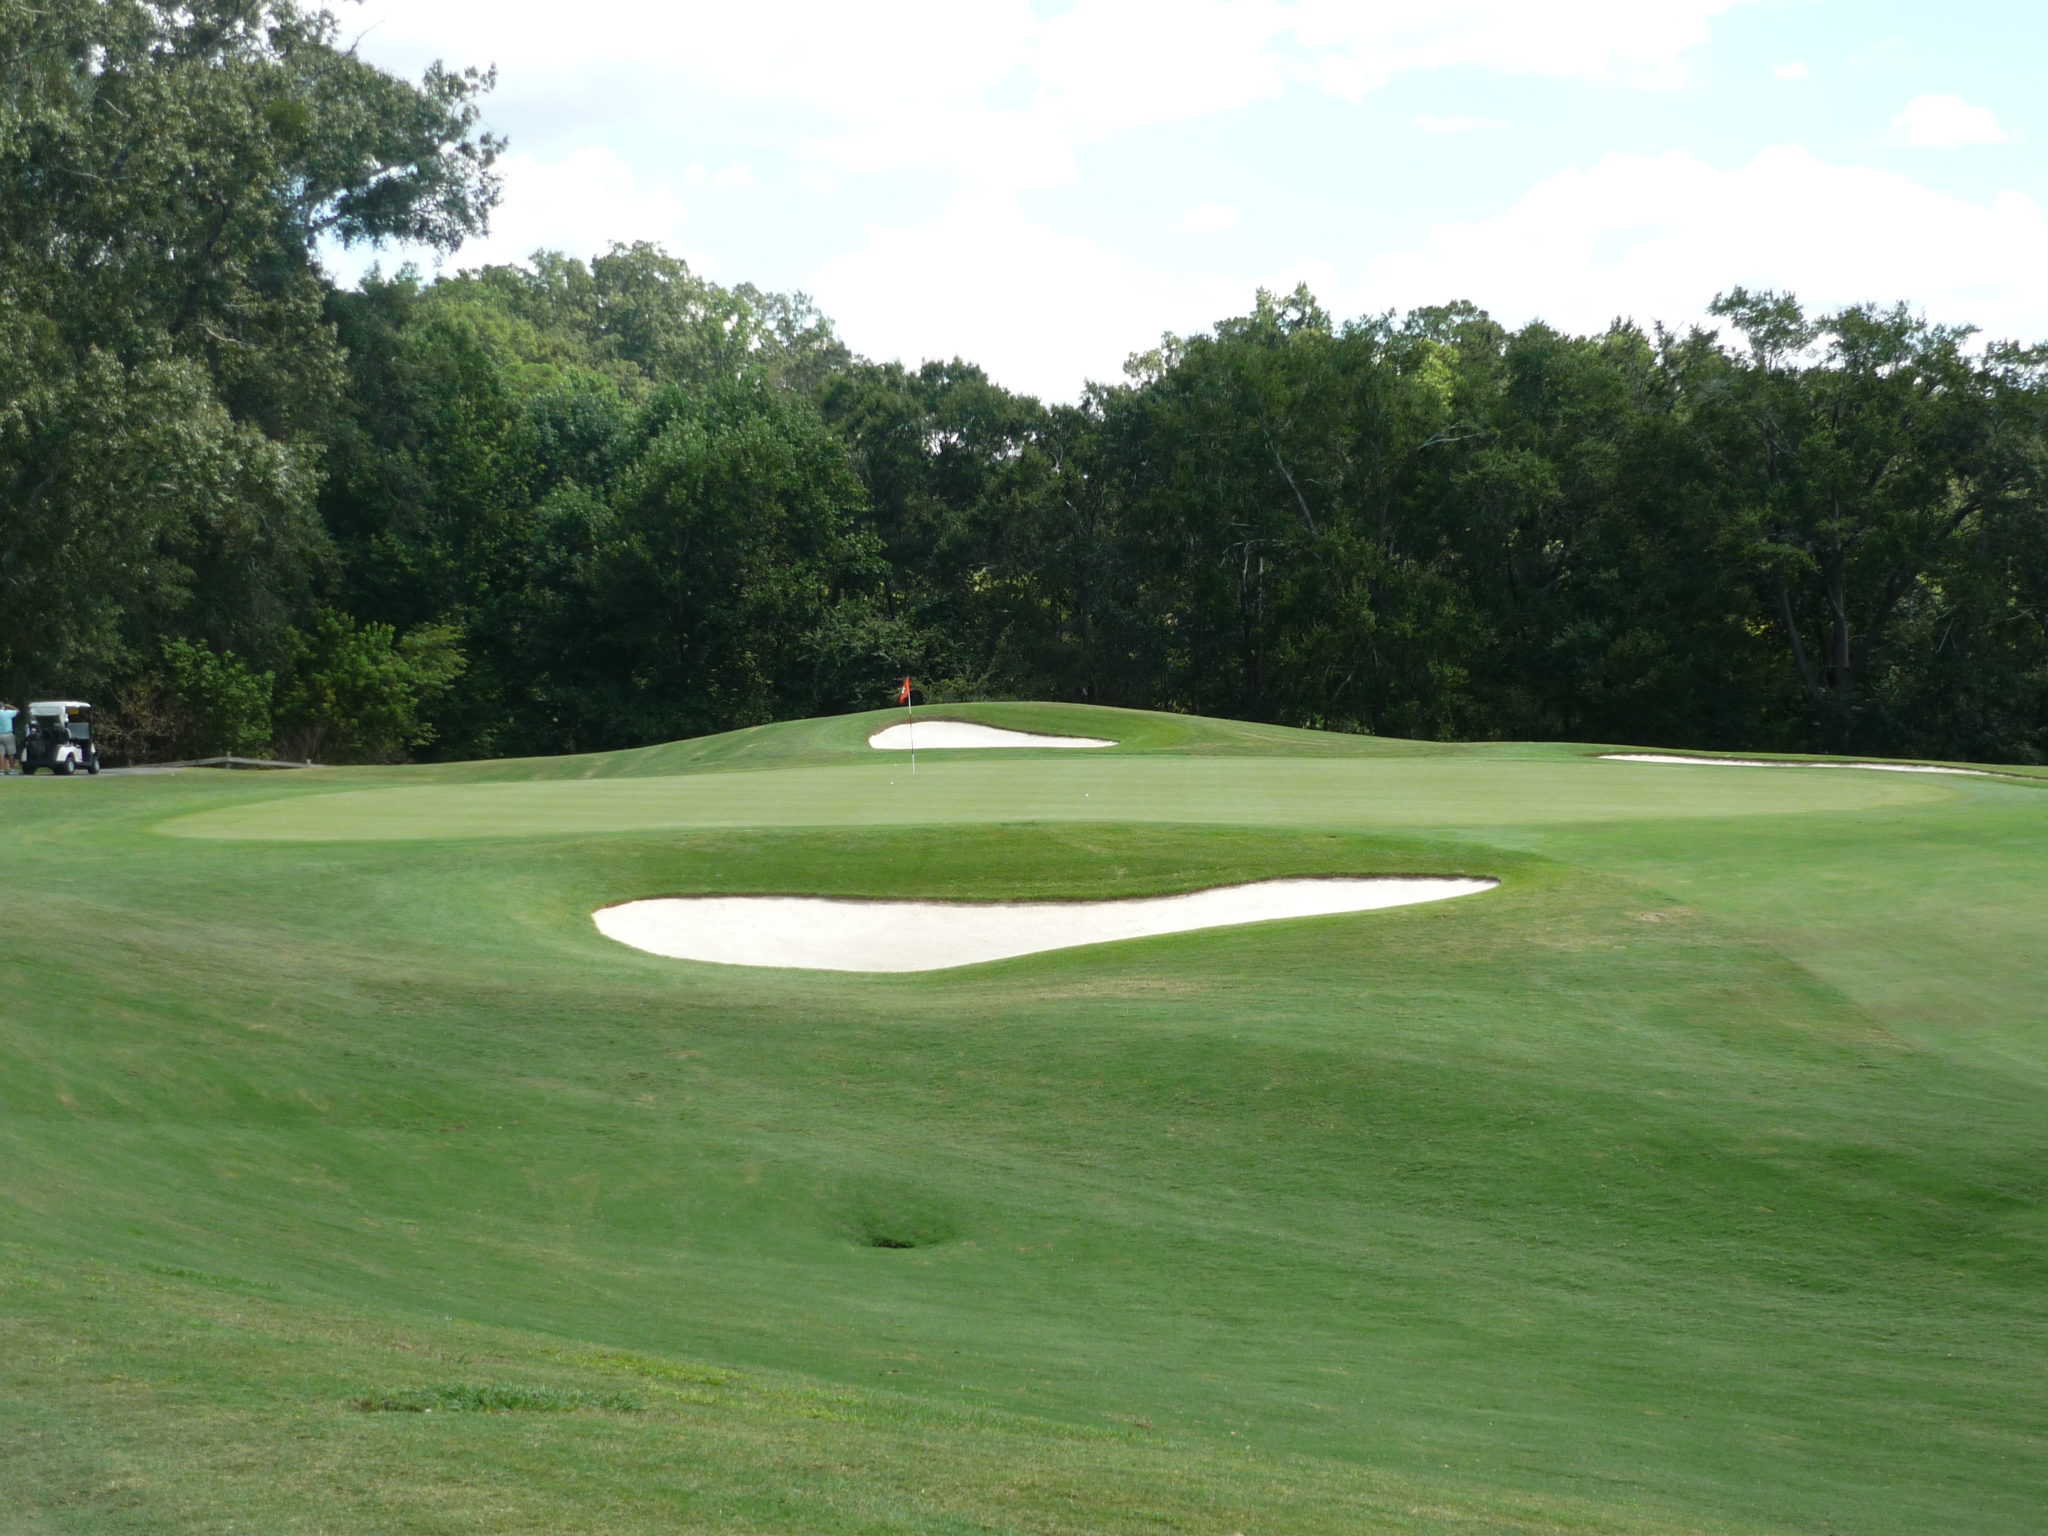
(59, 738)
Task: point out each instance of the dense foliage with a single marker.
(569, 505)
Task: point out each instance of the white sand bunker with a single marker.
(815, 934)
(940, 735)
(1759, 762)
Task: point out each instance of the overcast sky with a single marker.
(1045, 186)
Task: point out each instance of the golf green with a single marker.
(1398, 792)
(1696, 1180)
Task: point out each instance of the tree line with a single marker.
(571, 505)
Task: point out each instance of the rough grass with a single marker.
(1691, 1182)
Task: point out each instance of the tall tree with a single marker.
(1265, 475)
(725, 585)
(166, 172)
(941, 452)
(1863, 450)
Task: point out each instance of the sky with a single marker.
(1046, 186)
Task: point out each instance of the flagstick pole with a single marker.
(910, 710)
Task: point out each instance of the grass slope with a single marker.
(1691, 1182)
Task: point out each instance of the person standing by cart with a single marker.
(10, 755)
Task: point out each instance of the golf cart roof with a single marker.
(57, 706)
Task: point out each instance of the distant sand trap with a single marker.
(1758, 762)
(940, 735)
(813, 934)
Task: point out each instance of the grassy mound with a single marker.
(1692, 1182)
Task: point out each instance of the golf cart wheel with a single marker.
(93, 766)
(27, 769)
(62, 768)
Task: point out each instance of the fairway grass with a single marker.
(1690, 1182)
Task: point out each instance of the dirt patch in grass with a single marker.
(470, 1398)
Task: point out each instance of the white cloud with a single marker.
(581, 204)
(733, 176)
(1008, 149)
(1945, 122)
(1793, 71)
(1209, 218)
(1107, 67)
(1040, 309)
(1655, 237)
(992, 90)
(854, 59)
(1430, 124)
(1623, 41)
(946, 114)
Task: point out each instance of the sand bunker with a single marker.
(942, 735)
(1758, 762)
(814, 934)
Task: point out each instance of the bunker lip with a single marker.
(820, 933)
(1762, 762)
(950, 735)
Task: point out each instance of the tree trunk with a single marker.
(1800, 660)
(1841, 648)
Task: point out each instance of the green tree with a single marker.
(1264, 478)
(649, 316)
(727, 586)
(360, 693)
(942, 453)
(1585, 535)
(166, 370)
(493, 419)
(219, 706)
(1862, 451)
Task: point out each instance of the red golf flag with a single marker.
(903, 694)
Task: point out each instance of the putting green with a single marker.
(1393, 792)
